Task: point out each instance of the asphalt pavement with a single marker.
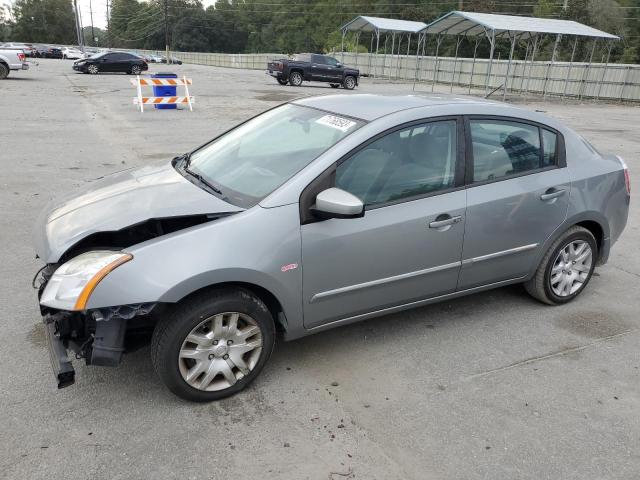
(490, 386)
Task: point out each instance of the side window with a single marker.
(502, 148)
(414, 161)
(319, 59)
(550, 148)
(331, 61)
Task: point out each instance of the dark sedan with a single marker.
(111, 62)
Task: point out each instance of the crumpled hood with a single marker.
(117, 201)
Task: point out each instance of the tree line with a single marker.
(253, 26)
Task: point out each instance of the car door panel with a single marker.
(388, 257)
(508, 222)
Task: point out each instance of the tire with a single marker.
(4, 71)
(334, 85)
(93, 69)
(174, 358)
(135, 70)
(295, 79)
(349, 82)
(549, 289)
(282, 81)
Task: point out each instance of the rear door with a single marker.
(517, 195)
(407, 247)
(319, 69)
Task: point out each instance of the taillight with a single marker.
(627, 177)
(21, 57)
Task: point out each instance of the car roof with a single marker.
(370, 106)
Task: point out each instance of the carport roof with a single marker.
(472, 23)
(373, 24)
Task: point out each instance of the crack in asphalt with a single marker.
(559, 353)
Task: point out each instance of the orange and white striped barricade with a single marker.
(172, 82)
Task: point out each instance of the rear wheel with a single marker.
(566, 268)
(334, 85)
(282, 81)
(135, 70)
(295, 79)
(4, 71)
(349, 82)
(213, 345)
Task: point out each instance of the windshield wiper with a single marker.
(202, 180)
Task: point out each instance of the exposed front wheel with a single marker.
(295, 79)
(349, 82)
(92, 69)
(566, 268)
(213, 345)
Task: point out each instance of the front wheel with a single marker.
(213, 345)
(295, 79)
(566, 268)
(93, 69)
(349, 82)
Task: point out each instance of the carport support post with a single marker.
(344, 32)
(585, 76)
(393, 45)
(377, 49)
(422, 39)
(384, 57)
(455, 62)
(435, 67)
(533, 57)
(553, 59)
(357, 44)
(524, 63)
(408, 49)
(473, 65)
(566, 80)
(492, 40)
(604, 69)
(506, 75)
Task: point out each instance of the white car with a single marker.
(72, 53)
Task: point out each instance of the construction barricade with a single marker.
(139, 82)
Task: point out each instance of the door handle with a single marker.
(552, 193)
(445, 221)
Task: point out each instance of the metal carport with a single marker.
(377, 26)
(478, 26)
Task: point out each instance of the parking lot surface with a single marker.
(490, 386)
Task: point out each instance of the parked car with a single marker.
(11, 59)
(111, 62)
(313, 67)
(28, 48)
(47, 51)
(315, 214)
(72, 53)
(172, 60)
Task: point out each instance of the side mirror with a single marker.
(336, 203)
(339, 65)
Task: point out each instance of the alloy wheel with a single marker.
(135, 70)
(571, 268)
(220, 350)
(350, 83)
(295, 79)
(93, 69)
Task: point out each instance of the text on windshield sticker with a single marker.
(334, 121)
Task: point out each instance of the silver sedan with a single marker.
(315, 214)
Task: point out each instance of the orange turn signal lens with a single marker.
(81, 303)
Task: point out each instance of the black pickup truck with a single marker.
(313, 67)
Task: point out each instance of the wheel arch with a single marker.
(273, 303)
(593, 221)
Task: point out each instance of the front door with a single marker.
(335, 70)
(408, 245)
(517, 196)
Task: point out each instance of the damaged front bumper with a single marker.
(97, 336)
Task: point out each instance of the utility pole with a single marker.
(93, 34)
(460, 4)
(76, 15)
(166, 29)
(108, 26)
(81, 30)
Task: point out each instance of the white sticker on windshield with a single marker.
(334, 121)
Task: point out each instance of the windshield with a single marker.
(254, 159)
